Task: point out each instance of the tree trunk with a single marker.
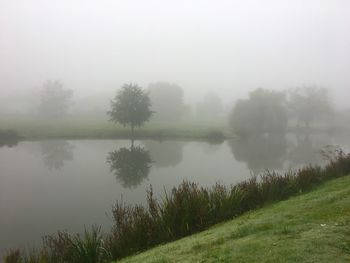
(132, 136)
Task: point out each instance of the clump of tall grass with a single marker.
(184, 210)
(13, 256)
(89, 248)
(63, 247)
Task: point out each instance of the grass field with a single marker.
(80, 129)
(313, 227)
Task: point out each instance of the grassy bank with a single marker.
(76, 129)
(314, 227)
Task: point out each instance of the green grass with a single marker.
(76, 129)
(313, 227)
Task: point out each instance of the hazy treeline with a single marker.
(271, 112)
(55, 101)
(263, 111)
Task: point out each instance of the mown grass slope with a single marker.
(313, 227)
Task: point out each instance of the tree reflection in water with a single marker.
(8, 143)
(55, 153)
(307, 149)
(261, 152)
(277, 152)
(165, 154)
(130, 165)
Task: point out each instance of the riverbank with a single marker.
(190, 209)
(99, 129)
(313, 227)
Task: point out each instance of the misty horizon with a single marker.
(226, 47)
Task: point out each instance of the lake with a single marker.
(53, 185)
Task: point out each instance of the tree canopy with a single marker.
(309, 103)
(263, 112)
(211, 107)
(167, 101)
(55, 100)
(131, 106)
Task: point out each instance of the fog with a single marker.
(101, 100)
(226, 47)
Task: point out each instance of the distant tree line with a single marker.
(263, 112)
(166, 102)
(268, 112)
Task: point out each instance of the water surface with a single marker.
(63, 185)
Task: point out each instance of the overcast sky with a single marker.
(230, 47)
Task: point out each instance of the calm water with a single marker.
(50, 185)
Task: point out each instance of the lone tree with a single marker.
(55, 100)
(131, 106)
